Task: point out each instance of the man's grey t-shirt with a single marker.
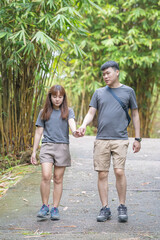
(56, 130)
(112, 120)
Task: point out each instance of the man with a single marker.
(112, 137)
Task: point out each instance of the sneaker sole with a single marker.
(55, 218)
(122, 219)
(42, 216)
(104, 219)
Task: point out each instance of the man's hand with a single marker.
(76, 134)
(33, 159)
(136, 146)
(81, 131)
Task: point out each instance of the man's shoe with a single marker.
(122, 213)
(55, 214)
(44, 211)
(104, 214)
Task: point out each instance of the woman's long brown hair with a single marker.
(48, 106)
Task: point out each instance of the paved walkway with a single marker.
(80, 202)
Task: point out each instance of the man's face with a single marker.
(110, 76)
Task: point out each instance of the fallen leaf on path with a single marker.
(145, 183)
(129, 239)
(34, 236)
(25, 200)
(2, 185)
(72, 226)
(16, 228)
(84, 192)
(65, 208)
(36, 231)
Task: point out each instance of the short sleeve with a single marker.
(39, 122)
(94, 102)
(133, 102)
(71, 113)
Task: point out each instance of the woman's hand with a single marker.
(33, 159)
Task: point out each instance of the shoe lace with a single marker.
(55, 210)
(122, 209)
(43, 207)
(103, 211)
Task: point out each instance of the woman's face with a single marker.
(57, 100)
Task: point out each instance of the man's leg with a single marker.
(121, 184)
(105, 212)
(103, 187)
(119, 152)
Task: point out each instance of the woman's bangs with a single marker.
(56, 89)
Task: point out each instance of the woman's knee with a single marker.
(58, 179)
(46, 177)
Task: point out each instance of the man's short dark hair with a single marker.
(108, 64)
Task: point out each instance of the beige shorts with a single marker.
(56, 153)
(104, 149)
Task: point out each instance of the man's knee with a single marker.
(102, 175)
(119, 173)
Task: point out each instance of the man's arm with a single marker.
(136, 124)
(87, 120)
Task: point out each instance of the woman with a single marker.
(53, 122)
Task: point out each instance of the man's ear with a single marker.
(117, 71)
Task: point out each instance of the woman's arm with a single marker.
(37, 138)
(72, 125)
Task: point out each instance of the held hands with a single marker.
(33, 159)
(136, 146)
(80, 132)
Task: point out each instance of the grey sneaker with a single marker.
(104, 214)
(43, 212)
(122, 213)
(55, 214)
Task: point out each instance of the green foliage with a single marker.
(32, 35)
(124, 31)
(91, 131)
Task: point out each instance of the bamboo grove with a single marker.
(44, 42)
(30, 36)
(129, 33)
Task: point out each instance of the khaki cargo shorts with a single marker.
(104, 149)
(56, 153)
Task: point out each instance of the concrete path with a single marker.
(80, 202)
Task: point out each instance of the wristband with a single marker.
(138, 139)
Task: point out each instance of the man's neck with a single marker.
(115, 85)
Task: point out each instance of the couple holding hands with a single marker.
(53, 123)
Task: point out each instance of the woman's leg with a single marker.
(58, 185)
(45, 182)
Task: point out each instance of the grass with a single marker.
(12, 175)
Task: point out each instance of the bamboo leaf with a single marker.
(3, 34)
